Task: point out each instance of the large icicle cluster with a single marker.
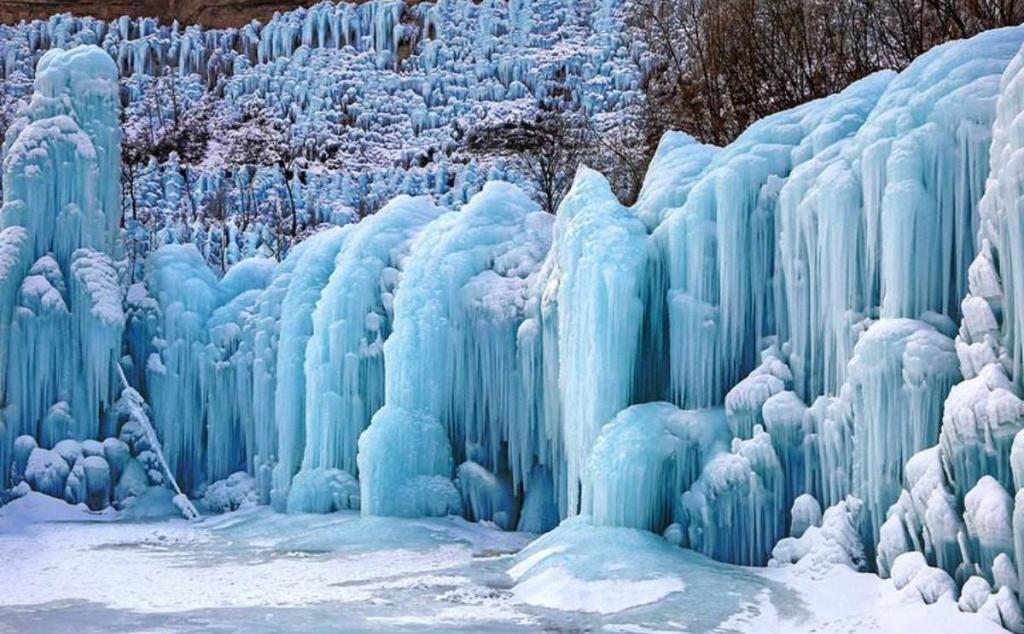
(69, 425)
(345, 356)
(61, 317)
(451, 366)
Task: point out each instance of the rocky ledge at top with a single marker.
(209, 13)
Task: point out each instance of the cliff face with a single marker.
(209, 13)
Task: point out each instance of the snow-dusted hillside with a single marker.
(334, 110)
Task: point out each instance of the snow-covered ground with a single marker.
(258, 571)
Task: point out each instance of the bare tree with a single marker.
(719, 65)
(545, 149)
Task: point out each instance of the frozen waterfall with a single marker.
(806, 344)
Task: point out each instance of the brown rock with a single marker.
(209, 13)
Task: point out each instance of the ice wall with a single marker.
(308, 279)
(601, 253)
(869, 259)
(816, 323)
(194, 411)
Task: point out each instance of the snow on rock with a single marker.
(820, 547)
(70, 450)
(234, 492)
(917, 581)
(974, 593)
(20, 454)
(745, 401)
(1003, 609)
(981, 418)
(308, 279)
(132, 483)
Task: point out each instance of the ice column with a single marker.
(60, 297)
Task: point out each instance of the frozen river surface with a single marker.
(62, 569)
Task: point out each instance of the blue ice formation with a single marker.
(68, 426)
(345, 355)
(804, 346)
(451, 366)
(61, 317)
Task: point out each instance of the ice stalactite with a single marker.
(61, 317)
(345, 357)
(743, 487)
(452, 379)
(744, 402)
(955, 509)
(179, 374)
(187, 293)
(787, 421)
(925, 518)
(897, 198)
(820, 229)
(256, 365)
(36, 377)
(982, 417)
(717, 308)
(95, 295)
(62, 172)
(226, 382)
